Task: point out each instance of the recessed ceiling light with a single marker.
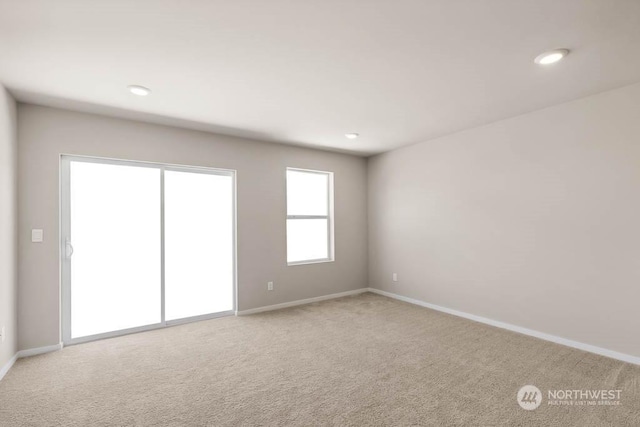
(139, 90)
(551, 56)
(352, 135)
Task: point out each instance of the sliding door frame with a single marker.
(65, 238)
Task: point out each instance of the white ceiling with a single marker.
(307, 71)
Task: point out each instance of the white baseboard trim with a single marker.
(541, 335)
(7, 366)
(301, 302)
(39, 350)
(27, 353)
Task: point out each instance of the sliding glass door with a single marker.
(144, 246)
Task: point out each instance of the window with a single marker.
(309, 216)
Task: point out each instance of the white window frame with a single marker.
(329, 217)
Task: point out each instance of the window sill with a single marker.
(311, 261)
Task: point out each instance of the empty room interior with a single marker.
(320, 213)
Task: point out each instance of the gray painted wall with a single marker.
(45, 133)
(533, 221)
(8, 226)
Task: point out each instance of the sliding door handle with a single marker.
(68, 249)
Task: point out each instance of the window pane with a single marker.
(307, 193)
(198, 244)
(115, 231)
(307, 239)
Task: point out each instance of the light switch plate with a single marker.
(37, 235)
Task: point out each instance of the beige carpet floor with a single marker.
(362, 360)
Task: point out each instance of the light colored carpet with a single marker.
(363, 360)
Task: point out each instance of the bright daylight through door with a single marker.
(198, 243)
(144, 245)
